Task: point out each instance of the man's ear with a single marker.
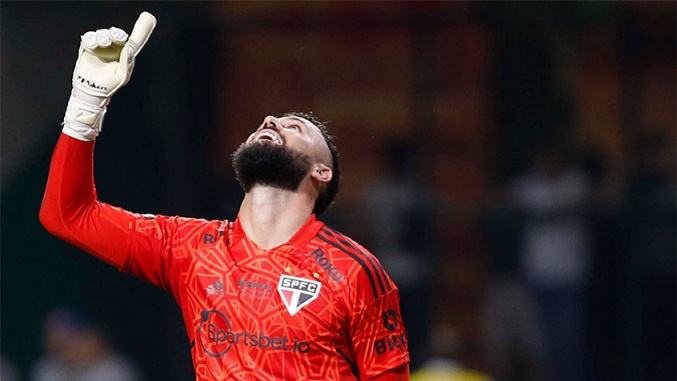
(322, 173)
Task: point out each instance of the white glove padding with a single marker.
(105, 63)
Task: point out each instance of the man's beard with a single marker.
(271, 165)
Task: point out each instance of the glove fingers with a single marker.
(89, 40)
(142, 29)
(118, 36)
(103, 38)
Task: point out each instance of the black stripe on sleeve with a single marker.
(375, 272)
(379, 271)
(359, 260)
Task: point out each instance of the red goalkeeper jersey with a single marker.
(319, 307)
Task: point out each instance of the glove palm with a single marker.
(105, 63)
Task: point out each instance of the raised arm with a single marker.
(70, 209)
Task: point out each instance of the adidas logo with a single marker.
(216, 288)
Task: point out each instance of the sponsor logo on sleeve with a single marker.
(392, 340)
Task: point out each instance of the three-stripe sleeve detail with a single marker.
(373, 269)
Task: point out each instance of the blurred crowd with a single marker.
(74, 348)
(580, 277)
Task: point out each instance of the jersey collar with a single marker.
(299, 240)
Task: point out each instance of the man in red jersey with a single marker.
(272, 295)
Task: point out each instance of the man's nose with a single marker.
(271, 122)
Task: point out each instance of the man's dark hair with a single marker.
(326, 198)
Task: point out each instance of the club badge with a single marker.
(297, 292)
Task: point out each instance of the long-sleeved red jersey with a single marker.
(319, 307)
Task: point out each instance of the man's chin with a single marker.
(270, 165)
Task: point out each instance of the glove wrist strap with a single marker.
(84, 115)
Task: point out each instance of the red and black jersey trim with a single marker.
(375, 272)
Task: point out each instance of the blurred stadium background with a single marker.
(471, 88)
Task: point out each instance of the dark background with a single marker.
(473, 84)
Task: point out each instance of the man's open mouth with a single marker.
(268, 135)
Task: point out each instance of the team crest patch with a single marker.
(297, 292)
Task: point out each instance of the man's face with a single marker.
(280, 153)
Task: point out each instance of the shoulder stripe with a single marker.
(379, 272)
(374, 270)
(359, 260)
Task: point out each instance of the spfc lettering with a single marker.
(297, 292)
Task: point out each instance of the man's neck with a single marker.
(271, 216)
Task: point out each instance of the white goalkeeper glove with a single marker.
(105, 63)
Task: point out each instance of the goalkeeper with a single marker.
(273, 294)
